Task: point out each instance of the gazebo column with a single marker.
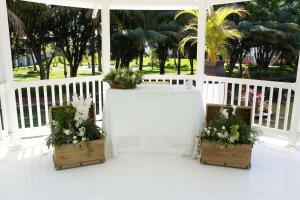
(295, 121)
(105, 27)
(6, 77)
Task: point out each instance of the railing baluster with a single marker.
(87, 89)
(74, 89)
(254, 103)
(240, 94)
(38, 105)
(60, 94)
(46, 104)
(99, 98)
(94, 91)
(29, 106)
(270, 107)
(81, 88)
(278, 108)
(20, 96)
(226, 93)
(68, 93)
(261, 106)
(213, 92)
(287, 110)
(232, 93)
(247, 95)
(53, 95)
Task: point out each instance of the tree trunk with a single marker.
(73, 70)
(93, 47)
(192, 65)
(162, 66)
(179, 63)
(99, 59)
(65, 68)
(174, 57)
(34, 65)
(117, 63)
(141, 61)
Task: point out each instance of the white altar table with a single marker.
(152, 118)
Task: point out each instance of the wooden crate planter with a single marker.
(231, 155)
(80, 154)
(214, 153)
(75, 155)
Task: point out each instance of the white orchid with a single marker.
(67, 132)
(83, 139)
(220, 135)
(82, 109)
(74, 137)
(75, 141)
(224, 112)
(234, 107)
(81, 131)
(223, 128)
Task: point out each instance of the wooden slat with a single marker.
(287, 110)
(21, 107)
(261, 106)
(270, 106)
(38, 105)
(278, 108)
(29, 106)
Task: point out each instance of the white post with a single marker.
(201, 42)
(6, 76)
(105, 27)
(295, 121)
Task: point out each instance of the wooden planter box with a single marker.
(231, 155)
(121, 86)
(75, 155)
(80, 154)
(214, 153)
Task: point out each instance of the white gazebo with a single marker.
(26, 170)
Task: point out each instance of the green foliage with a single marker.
(64, 131)
(126, 77)
(231, 130)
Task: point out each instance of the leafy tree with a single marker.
(73, 30)
(37, 21)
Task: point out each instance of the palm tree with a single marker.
(148, 29)
(218, 28)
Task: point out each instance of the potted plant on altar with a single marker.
(76, 139)
(228, 138)
(123, 78)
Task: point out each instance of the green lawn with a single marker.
(28, 74)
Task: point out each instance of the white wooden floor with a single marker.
(29, 174)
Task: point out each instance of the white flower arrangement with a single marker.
(82, 109)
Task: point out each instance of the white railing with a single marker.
(3, 112)
(272, 102)
(34, 98)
